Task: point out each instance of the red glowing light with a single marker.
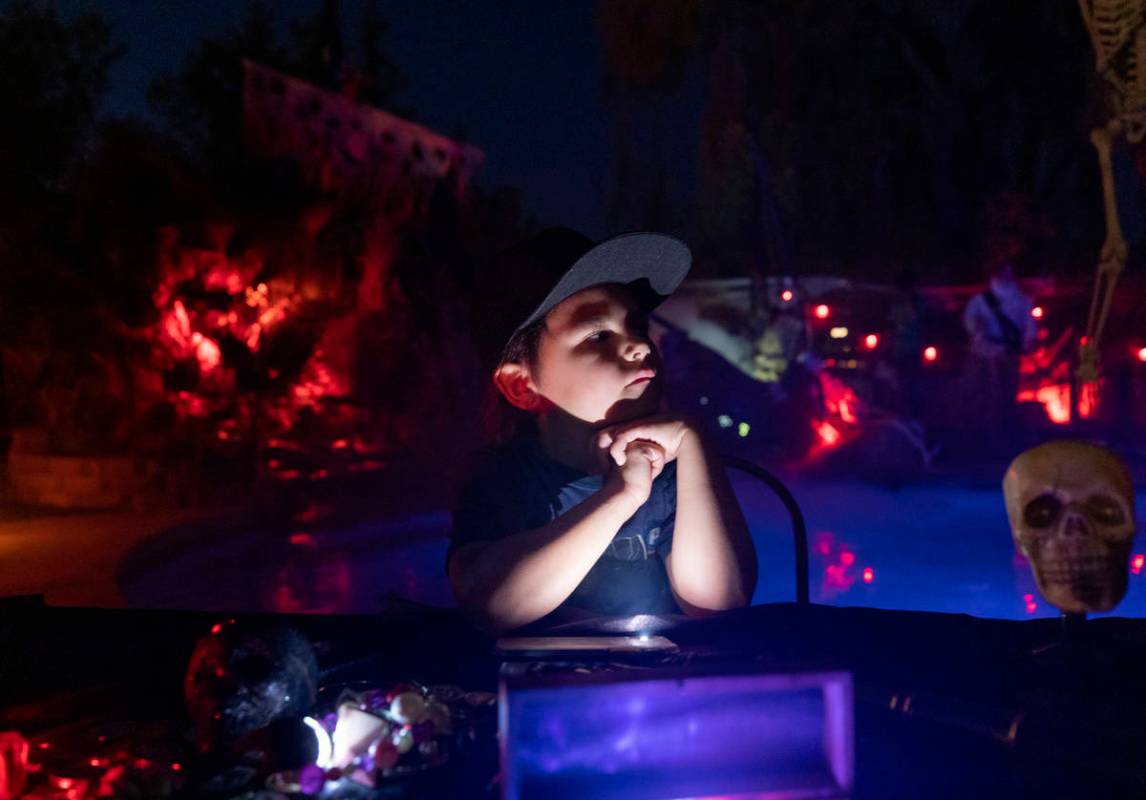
(223, 277)
(846, 413)
(216, 628)
(839, 399)
(369, 465)
(1142, 353)
(871, 341)
(1137, 563)
(207, 353)
(1037, 312)
(838, 561)
(178, 324)
(1055, 398)
(14, 764)
(828, 433)
(253, 339)
(822, 311)
(837, 579)
(176, 766)
(312, 513)
(302, 539)
(1087, 400)
(1032, 606)
(786, 295)
(44, 745)
(930, 353)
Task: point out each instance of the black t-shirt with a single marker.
(518, 487)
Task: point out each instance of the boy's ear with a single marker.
(515, 384)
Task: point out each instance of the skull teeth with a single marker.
(1075, 575)
(1075, 578)
(1078, 569)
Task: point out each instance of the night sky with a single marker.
(522, 79)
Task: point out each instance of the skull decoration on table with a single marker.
(242, 676)
(1071, 510)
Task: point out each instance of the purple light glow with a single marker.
(752, 736)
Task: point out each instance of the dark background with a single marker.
(785, 138)
(844, 138)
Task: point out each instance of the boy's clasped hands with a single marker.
(637, 451)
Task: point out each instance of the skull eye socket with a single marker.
(1105, 510)
(1042, 511)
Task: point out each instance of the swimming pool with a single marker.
(930, 547)
(926, 547)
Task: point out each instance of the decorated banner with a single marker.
(340, 143)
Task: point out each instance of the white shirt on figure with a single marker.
(983, 326)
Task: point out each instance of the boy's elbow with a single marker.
(701, 596)
(504, 610)
(485, 622)
(485, 610)
(486, 596)
(704, 602)
(493, 620)
(465, 587)
(476, 606)
(735, 597)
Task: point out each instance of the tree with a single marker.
(382, 79)
(53, 76)
(135, 181)
(202, 103)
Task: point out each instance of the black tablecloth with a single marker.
(946, 705)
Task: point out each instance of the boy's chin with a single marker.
(630, 409)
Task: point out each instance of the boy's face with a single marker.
(595, 360)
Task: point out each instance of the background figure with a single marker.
(907, 325)
(999, 323)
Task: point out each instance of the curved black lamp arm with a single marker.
(799, 528)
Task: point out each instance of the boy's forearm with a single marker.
(521, 578)
(712, 566)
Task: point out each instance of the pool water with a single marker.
(925, 547)
(944, 548)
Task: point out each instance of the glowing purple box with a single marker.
(643, 735)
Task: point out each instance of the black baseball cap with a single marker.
(534, 276)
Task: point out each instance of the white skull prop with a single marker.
(1071, 509)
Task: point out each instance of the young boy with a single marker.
(598, 505)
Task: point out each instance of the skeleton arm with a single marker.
(1118, 34)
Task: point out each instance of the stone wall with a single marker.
(75, 481)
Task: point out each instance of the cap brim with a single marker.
(662, 260)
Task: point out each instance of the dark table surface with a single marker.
(946, 705)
